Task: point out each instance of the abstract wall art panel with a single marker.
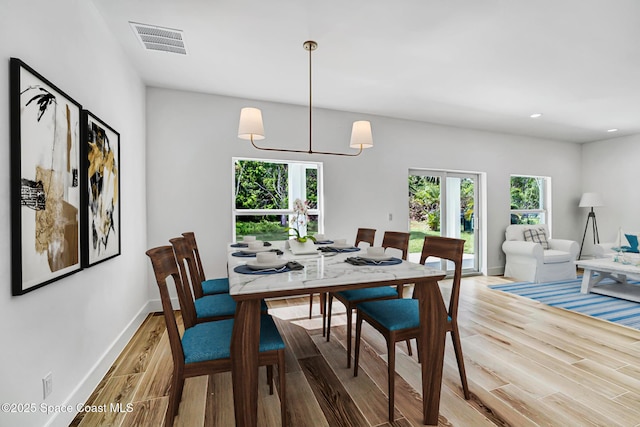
(102, 197)
(45, 187)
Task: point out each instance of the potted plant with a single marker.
(299, 222)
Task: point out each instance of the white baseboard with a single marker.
(89, 383)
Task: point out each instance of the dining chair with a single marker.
(398, 320)
(362, 235)
(367, 235)
(207, 307)
(204, 348)
(350, 299)
(204, 286)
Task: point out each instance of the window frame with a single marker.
(545, 199)
(292, 193)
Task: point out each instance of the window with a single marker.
(264, 192)
(530, 199)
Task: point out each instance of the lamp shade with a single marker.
(361, 135)
(250, 126)
(590, 200)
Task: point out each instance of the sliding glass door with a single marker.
(443, 203)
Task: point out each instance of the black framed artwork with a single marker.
(45, 182)
(101, 199)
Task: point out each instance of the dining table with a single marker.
(324, 272)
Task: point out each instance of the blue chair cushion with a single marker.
(395, 314)
(219, 305)
(215, 286)
(368, 293)
(212, 340)
(215, 305)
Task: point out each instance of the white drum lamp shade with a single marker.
(590, 200)
(251, 126)
(361, 135)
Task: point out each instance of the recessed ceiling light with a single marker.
(535, 115)
(612, 130)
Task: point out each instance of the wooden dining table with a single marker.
(328, 272)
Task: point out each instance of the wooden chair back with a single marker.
(192, 245)
(164, 266)
(189, 275)
(452, 250)
(398, 240)
(365, 235)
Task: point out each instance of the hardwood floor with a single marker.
(527, 365)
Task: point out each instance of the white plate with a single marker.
(255, 251)
(255, 265)
(376, 258)
(342, 245)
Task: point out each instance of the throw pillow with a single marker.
(536, 235)
(633, 242)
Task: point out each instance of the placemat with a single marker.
(246, 245)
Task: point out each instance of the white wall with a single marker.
(611, 168)
(192, 138)
(68, 328)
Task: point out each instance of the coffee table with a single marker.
(595, 270)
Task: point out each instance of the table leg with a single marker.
(433, 314)
(587, 281)
(245, 343)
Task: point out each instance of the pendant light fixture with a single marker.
(251, 127)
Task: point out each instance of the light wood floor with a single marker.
(527, 364)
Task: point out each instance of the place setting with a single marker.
(321, 239)
(374, 256)
(338, 246)
(268, 263)
(247, 241)
(254, 248)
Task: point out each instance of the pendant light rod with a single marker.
(252, 128)
(310, 46)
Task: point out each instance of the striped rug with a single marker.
(566, 294)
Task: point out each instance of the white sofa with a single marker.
(528, 261)
(604, 250)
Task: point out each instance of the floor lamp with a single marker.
(590, 200)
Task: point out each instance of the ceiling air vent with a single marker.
(163, 39)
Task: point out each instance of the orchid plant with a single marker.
(300, 219)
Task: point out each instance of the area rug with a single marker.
(566, 294)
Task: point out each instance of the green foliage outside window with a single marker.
(261, 185)
(527, 194)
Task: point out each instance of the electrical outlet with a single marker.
(390, 217)
(47, 385)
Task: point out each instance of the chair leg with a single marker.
(310, 305)
(391, 366)
(409, 347)
(175, 395)
(349, 323)
(328, 314)
(283, 387)
(323, 311)
(457, 347)
(357, 349)
(270, 378)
